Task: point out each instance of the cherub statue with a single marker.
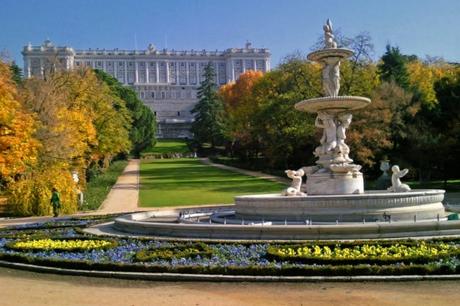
(396, 185)
(296, 177)
(328, 36)
(342, 149)
(329, 139)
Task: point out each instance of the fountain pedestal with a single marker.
(335, 183)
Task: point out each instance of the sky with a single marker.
(420, 27)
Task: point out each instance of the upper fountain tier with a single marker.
(330, 56)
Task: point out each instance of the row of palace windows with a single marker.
(162, 95)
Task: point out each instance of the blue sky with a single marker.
(420, 27)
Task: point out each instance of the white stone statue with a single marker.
(296, 177)
(329, 40)
(396, 185)
(329, 139)
(331, 77)
(342, 149)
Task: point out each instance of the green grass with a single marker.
(98, 188)
(174, 182)
(164, 146)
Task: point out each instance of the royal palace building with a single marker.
(166, 80)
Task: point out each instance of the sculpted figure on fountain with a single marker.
(396, 185)
(296, 184)
(329, 39)
(342, 150)
(329, 139)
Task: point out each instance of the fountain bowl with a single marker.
(332, 104)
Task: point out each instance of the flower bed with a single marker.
(67, 246)
(372, 253)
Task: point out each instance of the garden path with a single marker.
(124, 195)
(258, 174)
(29, 288)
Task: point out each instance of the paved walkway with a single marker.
(29, 288)
(124, 195)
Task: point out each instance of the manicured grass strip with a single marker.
(186, 181)
(98, 188)
(164, 146)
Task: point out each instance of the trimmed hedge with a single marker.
(271, 270)
(174, 251)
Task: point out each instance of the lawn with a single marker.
(164, 146)
(186, 181)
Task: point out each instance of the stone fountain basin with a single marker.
(336, 104)
(369, 206)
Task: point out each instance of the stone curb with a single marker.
(219, 277)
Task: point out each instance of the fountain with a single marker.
(335, 186)
(331, 205)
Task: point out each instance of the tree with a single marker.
(16, 73)
(143, 127)
(81, 122)
(393, 67)
(286, 136)
(240, 107)
(18, 146)
(207, 127)
(423, 76)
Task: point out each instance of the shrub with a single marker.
(174, 251)
(31, 194)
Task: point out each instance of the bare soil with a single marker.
(28, 288)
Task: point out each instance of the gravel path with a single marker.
(28, 288)
(124, 195)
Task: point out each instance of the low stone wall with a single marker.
(137, 224)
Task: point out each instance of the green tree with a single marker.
(208, 127)
(142, 132)
(393, 67)
(16, 73)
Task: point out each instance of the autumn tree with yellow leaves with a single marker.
(79, 122)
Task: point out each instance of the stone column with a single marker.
(126, 72)
(217, 72)
(104, 65)
(187, 71)
(254, 65)
(167, 72)
(233, 71)
(157, 72)
(28, 68)
(147, 72)
(136, 72)
(115, 67)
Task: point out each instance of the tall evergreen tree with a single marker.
(142, 133)
(207, 127)
(393, 67)
(16, 73)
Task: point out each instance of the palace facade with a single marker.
(166, 80)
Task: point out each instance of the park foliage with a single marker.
(68, 121)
